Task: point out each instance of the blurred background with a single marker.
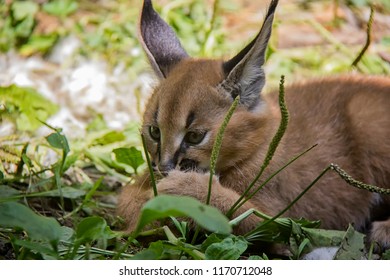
(85, 58)
(74, 82)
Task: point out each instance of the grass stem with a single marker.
(368, 39)
(271, 149)
(151, 172)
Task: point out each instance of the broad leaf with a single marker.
(110, 137)
(16, 215)
(29, 108)
(24, 9)
(211, 239)
(154, 252)
(60, 8)
(59, 141)
(38, 43)
(93, 228)
(44, 249)
(324, 237)
(164, 206)
(386, 255)
(130, 156)
(6, 191)
(231, 248)
(66, 192)
(352, 246)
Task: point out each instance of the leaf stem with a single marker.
(152, 178)
(218, 143)
(230, 213)
(292, 202)
(368, 38)
(271, 149)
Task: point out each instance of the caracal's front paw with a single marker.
(186, 184)
(130, 203)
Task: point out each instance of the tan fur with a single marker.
(348, 117)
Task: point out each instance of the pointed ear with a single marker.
(159, 41)
(244, 72)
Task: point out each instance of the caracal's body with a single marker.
(348, 117)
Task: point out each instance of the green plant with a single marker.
(25, 107)
(71, 181)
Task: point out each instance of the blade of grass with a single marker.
(218, 143)
(230, 213)
(87, 198)
(368, 39)
(291, 203)
(214, 155)
(206, 46)
(152, 178)
(272, 147)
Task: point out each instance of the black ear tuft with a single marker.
(159, 41)
(244, 72)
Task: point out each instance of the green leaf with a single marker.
(27, 161)
(60, 8)
(67, 234)
(211, 239)
(6, 191)
(164, 206)
(24, 9)
(386, 255)
(97, 124)
(71, 160)
(231, 248)
(44, 249)
(16, 215)
(110, 137)
(25, 27)
(280, 229)
(38, 43)
(154, 252)
(23, 13)
(93, 228)
(29, 108)
(359, 3)
(59, 141)
(130, 156)
(352, 246)
(258, 258)
(66, 192)
(324, 237)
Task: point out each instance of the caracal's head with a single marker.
(189, 104)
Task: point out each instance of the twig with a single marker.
(368, 39)
(211, 26)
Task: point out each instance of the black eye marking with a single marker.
(193, 137)
(155, 116)
(190, 119)
(155, 133)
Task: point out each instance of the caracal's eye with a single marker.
(194, 137)
(154, 132)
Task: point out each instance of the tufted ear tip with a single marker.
(159, 41)
(244, 72)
